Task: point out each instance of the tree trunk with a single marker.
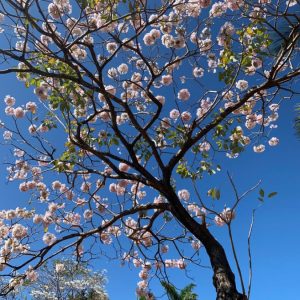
(223, 277)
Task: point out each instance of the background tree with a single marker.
(63, 279)
(138, 101)
(68, 280)
(185, 294)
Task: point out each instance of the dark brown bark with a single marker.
(223, 277)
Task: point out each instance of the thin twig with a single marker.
(250, 254)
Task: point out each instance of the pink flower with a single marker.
(183, 94)
(43, 128)
(196, 245)
(186, 116)
(174, 114)
(242, 85)
(143, 274)
(234, 4)
(37, 219)
(123, 167)
(49, 238)
(164, 248)
(225, 216)
(155, 33)
(146, 239)
(31, 274)
(56, 185)
(52, 207)
(273, 141)
(142, 284)
(259, 148)
(198, 72)
(259, 119)
(4, 231)
(18, 152)
(105, 238)
(88, 214)
(166, 79)
(23, 187)
(32, 129)
(123, 68)
(54, 11)
(136, 262)
(72, 219)
(59, 267)
(257, 63)
(9, 100)
(113, 188)
(169, 263)
(181, 264)
(148, 39)
(111, 47)
(250, 70)
(7, 135)
(218, 9)
(104, 116)
(85, 187)
(31, 106)
(19, 231)
(205, 146)
(41, 92)
(204, 3)
(274, 107)
(184, 195)
(19, 112)
(9, 111)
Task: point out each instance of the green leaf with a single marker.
(214, 193)
(262, 193)
(170, 290)
(182, 170)
(272, 194)
(167, 217)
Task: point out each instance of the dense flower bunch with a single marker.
(138, 91)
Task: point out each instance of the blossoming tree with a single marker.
(135, 100)
(67, 279)
(63, 279)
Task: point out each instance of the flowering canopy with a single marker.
(141, 94)
(67, 279)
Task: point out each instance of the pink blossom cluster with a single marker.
(58, 8)
(18, 112)
(226, 216)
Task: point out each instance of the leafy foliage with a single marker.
(185, 294)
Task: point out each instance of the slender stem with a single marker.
(250, 254)
(235, 258)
